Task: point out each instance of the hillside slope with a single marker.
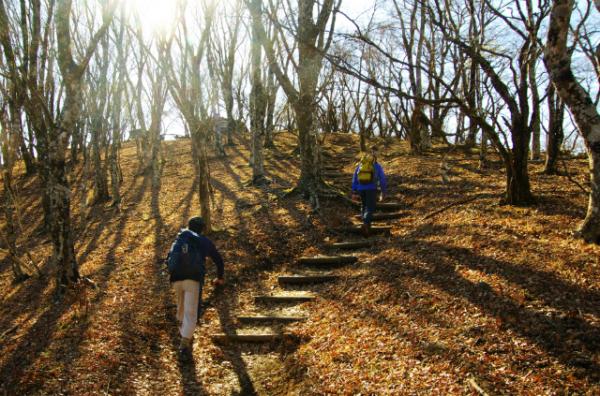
(502, 296)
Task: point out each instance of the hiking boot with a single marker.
(366, 228)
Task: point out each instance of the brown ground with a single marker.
(501, 295)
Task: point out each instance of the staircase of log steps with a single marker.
(312, 270)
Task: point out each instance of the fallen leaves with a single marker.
(503, 295)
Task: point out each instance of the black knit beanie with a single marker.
(196, 224)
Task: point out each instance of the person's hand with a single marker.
(218, 282)
(354, 196)
(381, 197)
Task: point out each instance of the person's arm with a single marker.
(213, 253)
(382, 181)
(355, 181)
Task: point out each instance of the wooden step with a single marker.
(325, 260)
(269, 318)
(305, 279)
(352, 244)
(263, 337)
(385, 216)
(386, 206)
(389, 206)
(285, 297)
(357, 229)
(331, 175)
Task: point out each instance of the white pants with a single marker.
(187, 293)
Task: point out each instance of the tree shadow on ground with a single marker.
(438, 263)
(32, 345)
(232, 352)
(552, 205)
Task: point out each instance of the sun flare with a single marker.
(155, 15)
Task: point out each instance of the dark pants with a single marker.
(368, 200)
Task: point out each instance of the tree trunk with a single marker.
(483, 152)
(556, 134)
(75, 145)
(585, 114)
(309, 176)
(460, 129)
(9, 233)
(270, 110)
(15, 106)
(257, 97)
(30, 135)
(116, 177)
(414, 132)
(115, 169)
(203, 175)
(59, 193)
(25, 154)
(363, 138)
(345, 127)
(518, 189)
(100, 180)
(230, 118)
(437, 123)
(535, 116)
(472, 100)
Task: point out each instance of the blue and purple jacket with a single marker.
(379, 178)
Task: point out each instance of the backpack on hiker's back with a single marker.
(185, 261)
(366, 169)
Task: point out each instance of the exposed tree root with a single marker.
(260, 180)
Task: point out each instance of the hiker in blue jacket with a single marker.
(368, 177)
(186, 263)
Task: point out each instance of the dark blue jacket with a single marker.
(378, 179)
(205, 248)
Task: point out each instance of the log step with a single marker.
(351, 244)
(386, 206)
(269, 318)
(296, 297)
(389, 206)
(324, 260)
(305, 279)
(357, 229)
(265, 337)
(385, 216)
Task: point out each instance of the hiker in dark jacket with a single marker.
(186, 261)
(368, 177)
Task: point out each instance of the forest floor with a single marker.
(499, 296)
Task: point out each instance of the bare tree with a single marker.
(151, 94)
(555, 132)
(224, 47)
(313, 41)
(13, 228)
(514, 92)
(183, 66)
(258, 96)
(117, 124)
(52, 128)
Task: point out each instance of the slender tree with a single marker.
(182, 63)
(557, 58)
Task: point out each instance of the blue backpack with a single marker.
(184, 260)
